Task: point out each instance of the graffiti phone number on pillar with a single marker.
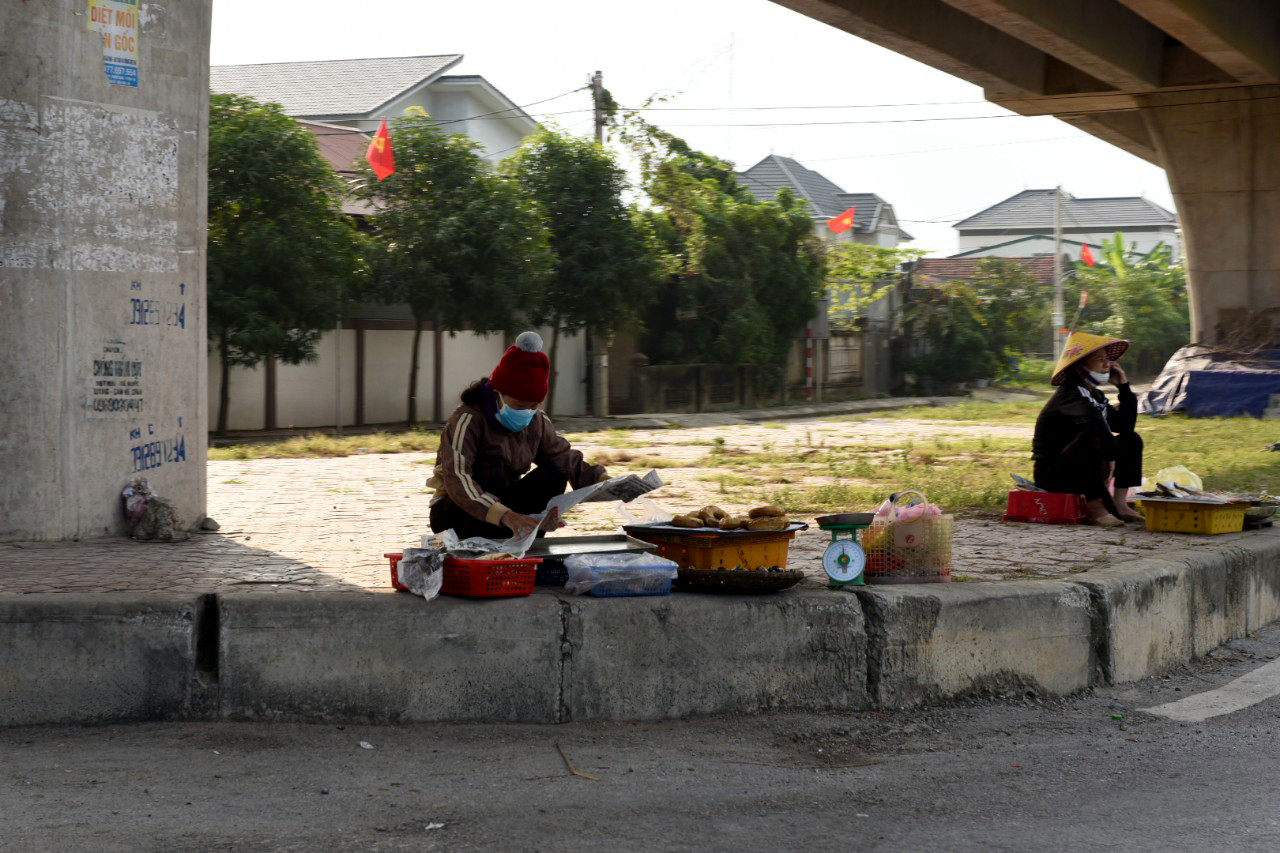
(153, 454)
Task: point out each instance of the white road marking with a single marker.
(1248, 689)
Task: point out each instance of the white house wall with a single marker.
(386, 375)
(247, 406)
(1145, 242)
(306, 393)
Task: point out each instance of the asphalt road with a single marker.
(1013, 772)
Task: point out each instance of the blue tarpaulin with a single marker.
(1204, 383)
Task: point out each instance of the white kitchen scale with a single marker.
(844, 560)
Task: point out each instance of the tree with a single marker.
(461, 246)
(279, 248)
(859, 275)
(1013, 305)
(949, 332)
(1139, 297)
(603, 273)
(738, 278)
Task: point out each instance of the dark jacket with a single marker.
(1075, 408)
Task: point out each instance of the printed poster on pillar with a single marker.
(116, 21)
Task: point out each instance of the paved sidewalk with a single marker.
(323, 524)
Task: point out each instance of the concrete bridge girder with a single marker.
(1190, 85)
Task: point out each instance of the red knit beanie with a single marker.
(523, 371)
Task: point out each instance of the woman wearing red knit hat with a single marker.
(483, 482)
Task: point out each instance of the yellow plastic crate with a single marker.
(1184, 517)
(707, 550)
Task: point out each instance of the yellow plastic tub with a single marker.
(1187, 517)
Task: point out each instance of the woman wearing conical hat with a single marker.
(1082, 442)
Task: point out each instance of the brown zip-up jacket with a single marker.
(470, 435)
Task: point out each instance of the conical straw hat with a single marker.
(1080, 346)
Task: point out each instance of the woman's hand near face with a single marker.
(1118, 376)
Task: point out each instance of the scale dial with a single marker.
(844, 560)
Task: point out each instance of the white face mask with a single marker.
(1099, 378)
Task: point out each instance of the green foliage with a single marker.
(279, 246)
(602, 271)
(281, 256)
(1014, 306)
(858, 275)
(739, 278)
(949, 334)
(461, 246)
(977, 329)
(1139, 297)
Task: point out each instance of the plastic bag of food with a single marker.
(619, 574)
(1179, 475)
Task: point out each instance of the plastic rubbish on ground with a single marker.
(421, 571)
(1179, 475)
(619, 574)
(150, 516)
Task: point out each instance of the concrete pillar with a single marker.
(103, 131)
(1221, 149)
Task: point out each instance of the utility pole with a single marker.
(597, 101)
(599, 344)
(1058, 318)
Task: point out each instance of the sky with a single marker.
(741, 79)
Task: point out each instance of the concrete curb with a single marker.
(388, 658)
(933, 642)
(101, 658)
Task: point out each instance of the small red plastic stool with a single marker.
(1044, 508)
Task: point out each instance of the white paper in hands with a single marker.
(625, 488)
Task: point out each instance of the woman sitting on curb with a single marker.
(1081, 442)
(482, 479)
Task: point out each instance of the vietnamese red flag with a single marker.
(379, 154)
(843, 222)
(1085, 254)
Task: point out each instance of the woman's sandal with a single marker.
(1107, 520)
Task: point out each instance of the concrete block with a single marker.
(935, 641)
(97, 658)
(1160, 612)
(389, 658)
(668, 657)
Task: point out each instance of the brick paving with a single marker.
(323, 524)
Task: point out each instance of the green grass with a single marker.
(961, 474)
(319, 445)
(999, 413)
(972, 475)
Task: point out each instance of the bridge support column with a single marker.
(1221, 149)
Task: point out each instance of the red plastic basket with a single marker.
(489, 578)
(1044, 507)
(395, 557)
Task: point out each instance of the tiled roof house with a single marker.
(1023, 225)
(874, 221)
(358, 93)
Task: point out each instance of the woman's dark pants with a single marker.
(527, 495)
(1081, 470)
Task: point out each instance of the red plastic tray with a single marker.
(1044, 507)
